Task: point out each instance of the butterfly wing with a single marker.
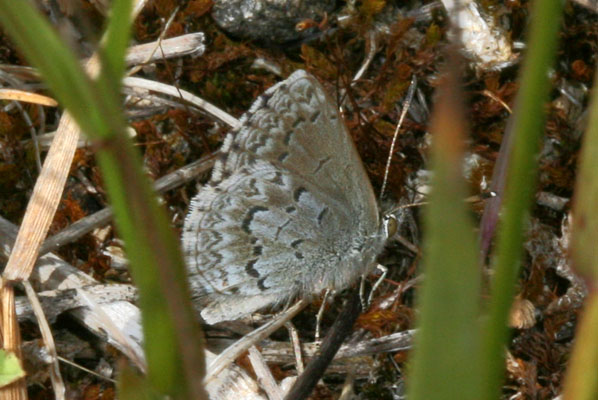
(289, 209)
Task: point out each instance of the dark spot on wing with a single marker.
(298, 122)
(250, 159)
(321, 164)
(216, 256)
(298, 192)
(278, 179)
(250, 270)
(261, 286)
(225, 175)
(283, 156)
(314, 116)
(245, 225)
(264, 98)
(322, 214)
(254, 191)
(259, 143)
(280, 228)
(287, 138)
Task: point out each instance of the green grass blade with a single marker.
(170, 329)
(446, 356)
(528, 122)
(173, 342)
(114, 46)
(132, 386)
(585, 219)
(581, 382)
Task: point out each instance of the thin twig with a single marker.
(82, 368)
(189, 44)
(372, 49)
(264, 376)
(104, 216)
(196, 101)
(44, 327)
(406, 105)
(237, 348)
(157, 43)
(296, 343)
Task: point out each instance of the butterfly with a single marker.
(289, 210)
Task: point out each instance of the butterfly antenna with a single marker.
(406, 105)
(471, 199)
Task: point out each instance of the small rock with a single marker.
(269, 21)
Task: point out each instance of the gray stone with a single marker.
(269, 21)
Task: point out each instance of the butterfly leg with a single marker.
(321, 314)
(383, 271)
(362, 293)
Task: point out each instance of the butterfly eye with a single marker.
(390, 225)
